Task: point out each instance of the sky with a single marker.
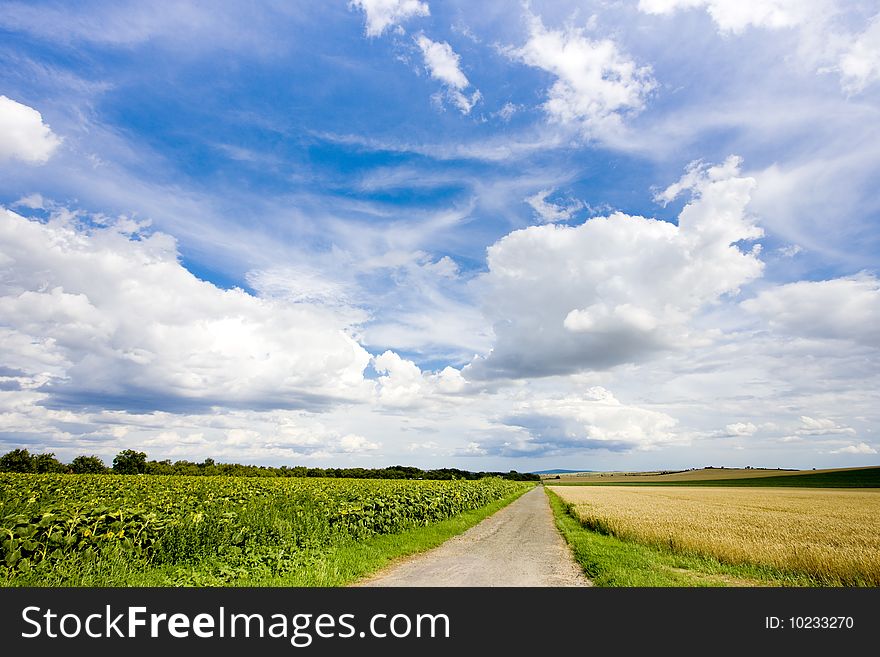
(618, 235)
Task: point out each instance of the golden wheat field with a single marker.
(832, 535)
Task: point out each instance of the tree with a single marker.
(18, 460)
(87, 465)
(128, 461)
(48, 463)
(160, 467)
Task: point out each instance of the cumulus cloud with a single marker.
(383, 14)
(740, 429)
(616, 289)
(402, 384)
(596, 84)
(695, 174)
(473, 448)
(107, 315)
(23, 135)
(354, 444)
(549, 212)
(840, 309)
(592, 419)
(443, 64)
(811, 426)
(861, 448)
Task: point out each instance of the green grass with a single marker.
(334, 564)
(858, 478)
(610, 561)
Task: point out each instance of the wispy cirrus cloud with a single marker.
(549, 212)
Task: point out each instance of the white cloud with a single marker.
(231, 435)
(473, 448)
(374, 267)
(596, 84)
(108, 315)
(444, 267)
(840, 309)
(448, 381)
(821, 427)
(740, 429)
(695, 174)
(790, 250)
(443, 63)
(859, 63)
(493, 149)
(736, 15)
(23, 135)
(382, 14)
(302, 284)
(31, 201)
(824, 39)
(353, 444)
(507, 111)
(590, 419)
(549, 212)
(861, 448)
(615, 289)
(428, 445)
(402, 384)
(823, 201)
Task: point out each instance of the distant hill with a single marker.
(860, 477)
(542, 472)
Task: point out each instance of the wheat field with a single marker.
(830, 535)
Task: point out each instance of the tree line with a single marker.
(130, 461)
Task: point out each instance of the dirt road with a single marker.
(517, 546)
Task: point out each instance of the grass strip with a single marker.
(610, 561)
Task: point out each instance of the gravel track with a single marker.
(517, 546)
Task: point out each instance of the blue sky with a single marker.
(496, 235)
